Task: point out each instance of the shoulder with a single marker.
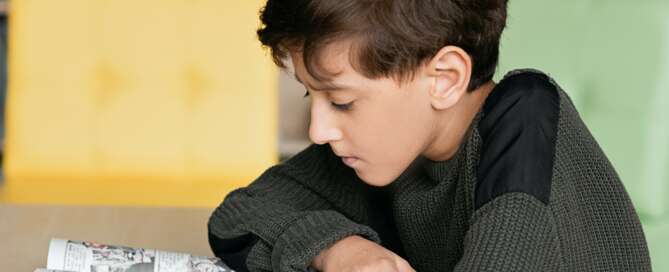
(522, 97)
(518, 130)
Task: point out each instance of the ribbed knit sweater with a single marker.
(529, 189)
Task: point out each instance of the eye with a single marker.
(342, 107)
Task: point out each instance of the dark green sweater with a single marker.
(528, 190)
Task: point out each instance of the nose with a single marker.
(322, 127)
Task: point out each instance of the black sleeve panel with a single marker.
(519, 131)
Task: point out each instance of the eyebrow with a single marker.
(326, 87)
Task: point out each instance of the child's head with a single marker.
(386, 77)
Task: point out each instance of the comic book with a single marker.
(76, 256)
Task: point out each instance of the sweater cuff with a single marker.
(307, 236)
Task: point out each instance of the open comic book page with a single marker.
(67, 255)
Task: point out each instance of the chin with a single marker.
(375, 181)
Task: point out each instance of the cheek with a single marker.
(388, 145)
(404, 131)
(385, 168)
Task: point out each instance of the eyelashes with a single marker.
(339, 107)
(342, 107)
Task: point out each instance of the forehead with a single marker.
(333, 60)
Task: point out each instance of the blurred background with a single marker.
(127, 121)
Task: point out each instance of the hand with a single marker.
(357, 254)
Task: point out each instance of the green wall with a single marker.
(612, 57)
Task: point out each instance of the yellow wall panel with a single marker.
(125, 102)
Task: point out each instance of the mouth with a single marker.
(350, 161)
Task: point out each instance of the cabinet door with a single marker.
(156, 102)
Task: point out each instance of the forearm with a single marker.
(289, 224)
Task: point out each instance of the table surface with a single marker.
(25, 230)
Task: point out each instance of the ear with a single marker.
(450, 70)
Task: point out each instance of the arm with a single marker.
(512, 228)
(282, 220)
(514, 232)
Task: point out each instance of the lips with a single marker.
(350, 161)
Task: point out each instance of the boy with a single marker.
(421, 162)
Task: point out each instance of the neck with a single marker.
(452, 124)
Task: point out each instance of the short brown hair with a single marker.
(390, 37)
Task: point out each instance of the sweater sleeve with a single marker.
(284, 218)
(512, 228)
(513, 232)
